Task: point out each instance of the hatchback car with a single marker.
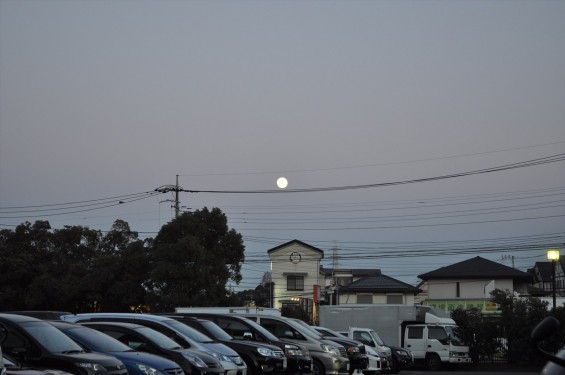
(185, 336)
(14, 367)
(148, 340)
(261, 359)
(137, 363)
(37, 343)
(299, 360)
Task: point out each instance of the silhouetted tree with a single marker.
(192, 258)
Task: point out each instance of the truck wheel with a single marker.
(318, 368)
(433, 362)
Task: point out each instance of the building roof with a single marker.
(379, 283)
(477, 268)
(304, 244)
(543, 269)
(355, 272)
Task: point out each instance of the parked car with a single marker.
(328, 357)
(260, 358)
(299, 360)
(185, 336)
(355, 351)
(401, 358)
(377, 362)
(146, 339)
(37, 343)
(13, 367)
(137, 363)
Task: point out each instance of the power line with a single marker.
(528, 163)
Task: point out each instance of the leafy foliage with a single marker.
(78, 269)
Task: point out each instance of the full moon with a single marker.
(282, 182)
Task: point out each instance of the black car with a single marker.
(299, 361)
(137, 363)
(37, 343)
(14, 367)
(146, 339)
(261, 358)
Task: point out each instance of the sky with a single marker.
(395, 123)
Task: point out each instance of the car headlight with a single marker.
(292, 350)
(265, 352)
(330, 349)
(402, 353)
(196, 361)
(91, 368)
(221, 357)
(147, 369)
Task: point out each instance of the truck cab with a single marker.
(437, 344)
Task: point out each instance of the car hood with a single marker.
(220, 348)
(103, 359)
(145, 358)
(254, 344)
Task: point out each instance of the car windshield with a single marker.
(159, 339)
(305, 328)
(377, 338)
(259, 328)
(50, 337)
(188, 331)
(456, 335)
(216, 331)
(96, 340)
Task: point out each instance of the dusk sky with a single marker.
(366, 107)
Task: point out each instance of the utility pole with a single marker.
(177, 203)
(176, 188)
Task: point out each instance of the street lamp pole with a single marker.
(553, 256)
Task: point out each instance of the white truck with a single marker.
(430, 334)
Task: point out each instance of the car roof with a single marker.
(114, 324)
(18, 318)
(92, 316)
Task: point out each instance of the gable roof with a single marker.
(296, 242)
(543, 270)
(476, 268)
(379, 283)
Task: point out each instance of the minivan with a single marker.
(137, 362)
(329, 358)
(299, 360)
(184, 335)
(39, 344)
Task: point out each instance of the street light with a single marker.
(553, 256)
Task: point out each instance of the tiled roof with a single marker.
(476, 268)
(379, 283)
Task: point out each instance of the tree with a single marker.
(193, 257)
(518, 317)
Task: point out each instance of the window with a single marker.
(394, 299)
(415, 332)
(437, 333)
(364, 298)
(294, 282)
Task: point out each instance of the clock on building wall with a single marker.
(295, 257)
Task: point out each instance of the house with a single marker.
(355, 286)
(469, 283)
(295, 271)
(298, 278)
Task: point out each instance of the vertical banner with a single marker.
(315, 301)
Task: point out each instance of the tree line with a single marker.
(78, 269)
(505, 336)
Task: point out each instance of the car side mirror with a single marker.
(247, 336)
(546, 328)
